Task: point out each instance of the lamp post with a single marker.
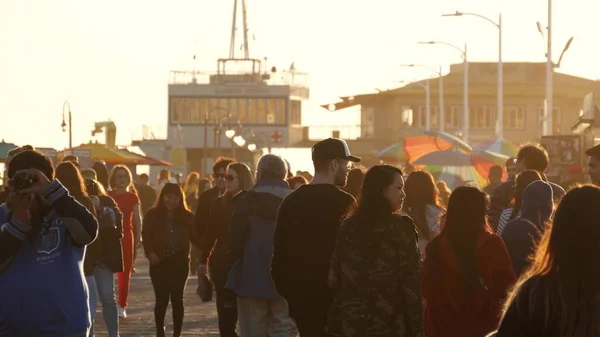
(547, 128)
(465, 133)
(69, 121)
(500, 108)
(441, 116)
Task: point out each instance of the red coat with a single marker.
(452, 311)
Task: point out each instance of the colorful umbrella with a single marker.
(395, 151)
(145, 160)
(421, 142)
(501, 146)
(443, 161)
(109, 155)
(497, 158)
(444, 158)
(456, 176)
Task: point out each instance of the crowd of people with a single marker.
(346, 252)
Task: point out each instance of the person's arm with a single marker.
(12, 235)
(410, 274)
(499, 202)
(279, 260)
(193, 235)
(239, 229)
(137, 224)
(202, 213)
(210, 236)
(147, 233)
(81, 225)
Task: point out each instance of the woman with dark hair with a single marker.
(522, 181)
(110, 256)
(126, 198)
(375, 265)
(354, 184)
(215, 245)
(558, 294)
(423, 205)
(69, 176)
(101, 173)
(167, 232)
(466, 272)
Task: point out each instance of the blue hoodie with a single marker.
(522, 234)
(43, 292)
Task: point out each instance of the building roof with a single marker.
(520, 79)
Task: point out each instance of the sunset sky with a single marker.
(110, 59)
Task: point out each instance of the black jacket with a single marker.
(110, 235)
(203, 210)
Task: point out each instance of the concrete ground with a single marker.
(200, 318)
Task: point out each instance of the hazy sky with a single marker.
(110, 59)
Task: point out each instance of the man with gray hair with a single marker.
(261, 309)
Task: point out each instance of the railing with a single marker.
(150, 132)
(291, 78)
(348, 132)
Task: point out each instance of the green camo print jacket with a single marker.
(375, 271)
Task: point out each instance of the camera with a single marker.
(22, 180)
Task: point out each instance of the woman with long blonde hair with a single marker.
(125, 195)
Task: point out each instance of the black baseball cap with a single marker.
(333, 148)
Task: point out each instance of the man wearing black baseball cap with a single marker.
(305, 233)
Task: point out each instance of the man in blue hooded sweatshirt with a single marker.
(522, 234)
(43, 234)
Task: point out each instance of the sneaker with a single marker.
(122, 313)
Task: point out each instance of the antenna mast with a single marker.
(232, 46)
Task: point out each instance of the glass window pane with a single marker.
(271, 111)
(251, 111)
(233, 107)
(242, 109)
(195, 110)
(261, 111)
(222, 110)
(203, 109)
(185, 110)
(281, 111)
(213, 110)
(175, 105)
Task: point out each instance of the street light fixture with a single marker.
(64, 124)
(463, 52)
(230, 133)
(251, 147)
(240, 141)
(500, 108)
(441, 116)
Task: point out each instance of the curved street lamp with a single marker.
(500, 108)
(466, 115)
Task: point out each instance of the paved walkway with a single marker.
(200, 318)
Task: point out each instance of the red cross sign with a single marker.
(276, 136)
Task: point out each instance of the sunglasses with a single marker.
(230, 177)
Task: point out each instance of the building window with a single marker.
(484, 117)
(175, 110)
(453, 118)
(195, 110)
(280, 112)
(270, 111)
(251, 111)
(222, 110)
(556, 119)
(242, 105)
(514, 117)
(185, 110)
(204, 108)
(422, 120)
(261, 111)
(295, 112)
(213, 111)
(368, 123)
(233, 109)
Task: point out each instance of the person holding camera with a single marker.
(43, 237)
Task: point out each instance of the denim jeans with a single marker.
(93, 300)
(105, 283)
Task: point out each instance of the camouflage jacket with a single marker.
(375, 271)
